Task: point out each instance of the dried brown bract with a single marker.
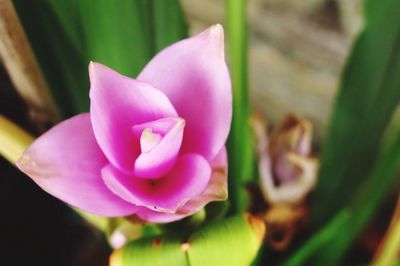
(288, 173)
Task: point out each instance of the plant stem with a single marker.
(240, 139)
(13, 140)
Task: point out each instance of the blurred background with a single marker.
(296, 51)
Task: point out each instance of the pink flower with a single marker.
(154, 146)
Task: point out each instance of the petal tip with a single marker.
(216, 30)
(24, 163)
(181, 122)
(31, 168)
(92, 67)
(21, 162)
(92, 70)
(216, 34)
(95, 68)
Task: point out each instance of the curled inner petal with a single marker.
(116, 104)
(160, 142)
(149, 140)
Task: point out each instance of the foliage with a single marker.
(358, 165)
(67, 34)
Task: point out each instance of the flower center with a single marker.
(160, 142)
(149, 140)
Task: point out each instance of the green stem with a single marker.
(240, 140)
(13, 140)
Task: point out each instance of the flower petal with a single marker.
(160, 158)
(117, 104)
(66, 162)
(194, 76)
(151, 216)
(217, 188)
(187, 179)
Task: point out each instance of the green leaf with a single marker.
(233, 241)
(368, 95)
(169, 23)
(230, 242)
(184, 227)
(67, 34)
(156, 251)
(240, 146)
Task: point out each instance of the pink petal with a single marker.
(194, 76)
(151, 216)
(66, 162)
(158, 155)
(117, 104)
(216, 190)
(220, 161)
(187, 179)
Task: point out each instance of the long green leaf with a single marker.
(368, 95)
(67, 34)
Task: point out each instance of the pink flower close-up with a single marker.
(152, 147)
